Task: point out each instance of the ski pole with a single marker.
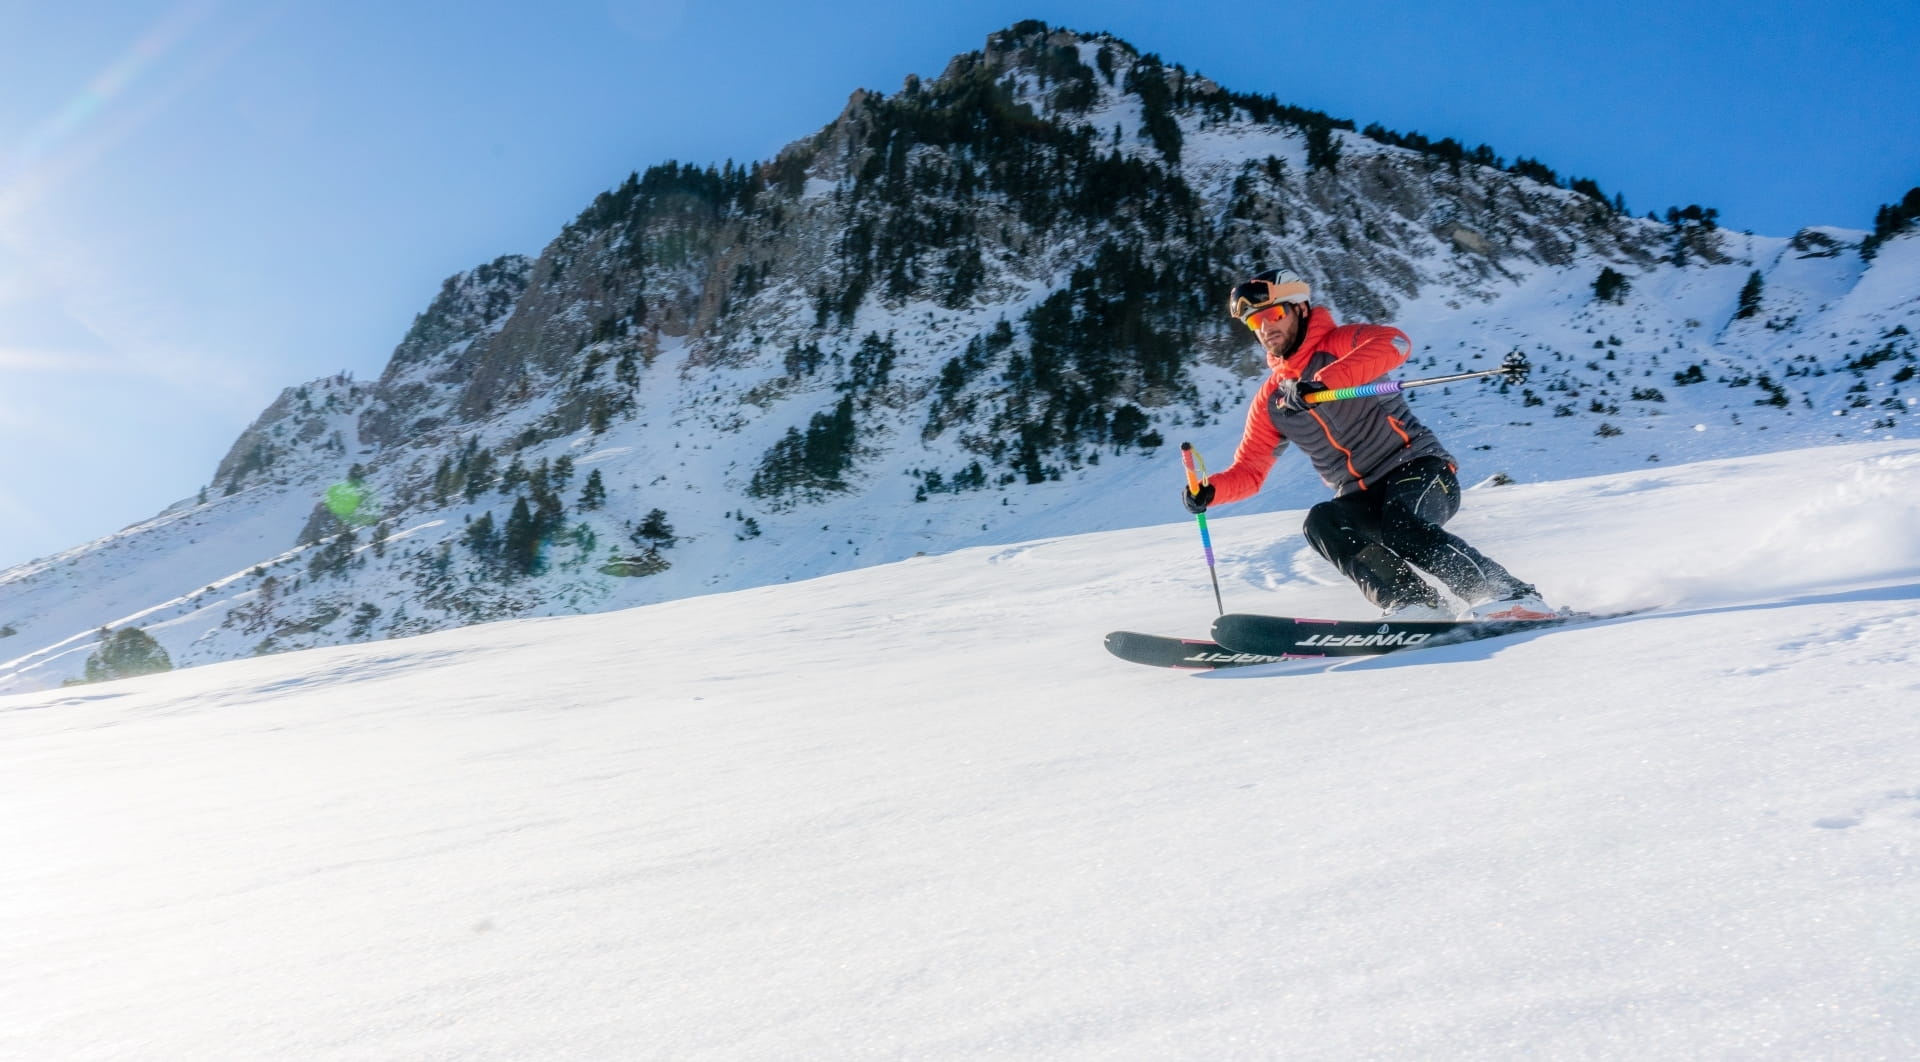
(1514, 367)
(1196, 475)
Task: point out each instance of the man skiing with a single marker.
(1394, 485)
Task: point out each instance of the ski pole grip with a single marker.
(1188, 458)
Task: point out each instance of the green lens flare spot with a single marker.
(348, 501)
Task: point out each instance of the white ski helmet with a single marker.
(1265, 289)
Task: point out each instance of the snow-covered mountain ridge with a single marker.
(977, 310)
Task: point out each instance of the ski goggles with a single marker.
(1258, 296)
(1272, 314)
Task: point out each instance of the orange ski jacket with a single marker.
(1352, 443)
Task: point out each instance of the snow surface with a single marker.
(916, 811)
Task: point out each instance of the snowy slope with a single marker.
(916, 811)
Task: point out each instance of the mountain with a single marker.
(979, 309)
(915, 811)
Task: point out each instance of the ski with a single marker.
(1288, 636)
(1196, 654)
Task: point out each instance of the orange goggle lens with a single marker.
(1267, 315)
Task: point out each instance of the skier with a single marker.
(1393, 483)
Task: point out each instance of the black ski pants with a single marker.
(1377, 536)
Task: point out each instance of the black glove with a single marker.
(1197, 503)
(1291, 396)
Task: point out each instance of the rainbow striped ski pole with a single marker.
(1514, 367)
(1196, 475)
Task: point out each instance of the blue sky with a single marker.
(205, 201)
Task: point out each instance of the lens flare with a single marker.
(352, 503)
(56, 148)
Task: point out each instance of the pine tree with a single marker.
(479, 474)
(814, 461)
(594, 494)
(481, 538)
(333, 557)
(443, 481)
(655, 530)
(124, 653)
(1147, 82)
(514, 476)
(1750, 296)
(1889, 221)
(1611, 285)
(549, 516)
(1323, 151)
(520, 545)
(1127, 424)
(363, 619)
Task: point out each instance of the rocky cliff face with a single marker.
(973, 309)
(1131, 191)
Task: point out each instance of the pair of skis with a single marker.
(1244, 640)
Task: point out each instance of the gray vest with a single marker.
(1354, 443)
